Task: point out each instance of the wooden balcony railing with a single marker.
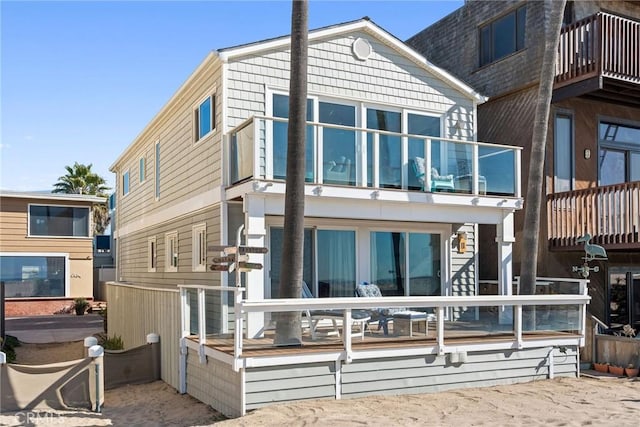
(601, 44)
(611, 214)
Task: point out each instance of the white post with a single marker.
(202, 324)
(96, 392)
(475, 164)
(238, 328)
(3, 358)
(440, 329)
(427, 164)
(346, 334)
(505, 239)
(89, 342)
(255, 233)
(518, 325)
(185, 328)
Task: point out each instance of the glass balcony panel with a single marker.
(280, 142)
(470, 321)
(496, 170)
(339, 154)
(457, 166)
(241, 156)
(551, 318)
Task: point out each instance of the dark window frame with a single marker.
(34, 229)
(486, 34)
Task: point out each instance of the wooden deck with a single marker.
(372, 341)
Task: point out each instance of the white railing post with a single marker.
(440, 329)
(96, 352)
(255, 151)
(346, 334)
(475, 164)
(375, 159)
(238, 329)
(518, 324)
(517, 171)
(202, 325)
(427, 164)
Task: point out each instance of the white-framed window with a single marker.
(199, 245)
(152, 254)
(204, 118)
(157, 170)
(59, 221)
(125, 183)
(142, 172)
(171, 252)
(34, 275)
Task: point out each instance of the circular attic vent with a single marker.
(361, 49)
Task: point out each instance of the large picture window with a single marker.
(502, 36)
(26, 276)
(58, 221)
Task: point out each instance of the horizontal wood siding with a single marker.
(410, 375)
(186, 168)
(14, 229)
(265, 386)
(215, 384)
(135, 312)
(385, 78)
(133, 258)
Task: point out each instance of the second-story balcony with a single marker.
(600, 56)
(610, 214)
(365, 158)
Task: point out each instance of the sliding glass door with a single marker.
(330, 273)
(406, 263)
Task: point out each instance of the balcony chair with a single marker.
(339, 172)
(380, 315)
(438, 182)
(359, 318)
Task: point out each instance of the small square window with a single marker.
(171, 252)
(204, 118)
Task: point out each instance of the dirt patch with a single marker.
(43, 354)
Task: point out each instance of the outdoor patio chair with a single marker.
(380, 315)
(359, 318)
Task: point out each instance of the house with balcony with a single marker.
(397, 186)
(46, 250)
(593, 157)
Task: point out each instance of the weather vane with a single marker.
(592, 252)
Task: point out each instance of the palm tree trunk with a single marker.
(535, 183)
(289, 324)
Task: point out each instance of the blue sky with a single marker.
(80, 79)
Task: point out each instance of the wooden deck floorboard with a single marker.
(265, 347)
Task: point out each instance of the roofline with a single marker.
(360, 24)
(365, 23)
(210, 55)
(53, 196)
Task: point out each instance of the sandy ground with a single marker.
(559, 402)
(605, 401)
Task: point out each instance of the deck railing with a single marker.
(601, 44)
(359, 157)
(611, 214)
(518, 315)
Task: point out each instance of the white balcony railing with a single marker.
(358, 157)
(487, 321)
